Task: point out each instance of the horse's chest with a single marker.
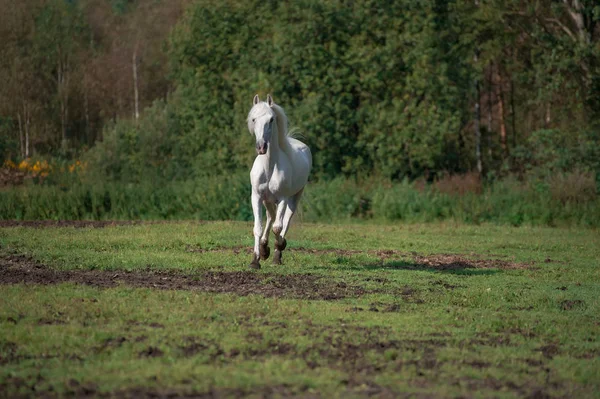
(271, 183)
(270, 191)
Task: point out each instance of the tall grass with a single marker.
(221, 198)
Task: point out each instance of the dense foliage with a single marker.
(385, 88)
(145, 92)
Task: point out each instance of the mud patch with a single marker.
(265, 391)
(439, 261)
(49, 322)
(572, 304)
(16, 269)
(549, 351)
(112, 343)
(446, 285)
(151, 351)
(589, 355)
(457, 262)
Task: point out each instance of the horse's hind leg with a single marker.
(287, 212)
(264, 240)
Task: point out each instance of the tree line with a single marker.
(389, 88)
(68, 68)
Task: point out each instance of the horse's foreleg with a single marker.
(264, 240)
(277, 229)
(256, 209)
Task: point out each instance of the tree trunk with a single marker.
(21, 135)
(500, 101)
(575, 10)
(86, 109)
(27, 124)
(135, 84)
(60, 79)
(513, 112)
(489, 111)
(477, 114)
(476, 119)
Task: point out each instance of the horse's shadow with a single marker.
(456, 267)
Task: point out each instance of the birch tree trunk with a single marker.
(489, 111)
(135, 84)
(27, 114)
(21, 136)
(476, 123)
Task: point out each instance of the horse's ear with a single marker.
(256, 99)
(269, 100)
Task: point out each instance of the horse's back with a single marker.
(301, 160)
(301, 153)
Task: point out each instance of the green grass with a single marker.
(418, 328)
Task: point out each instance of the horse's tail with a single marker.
(295, 133)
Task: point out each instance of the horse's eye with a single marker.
(271, 120)
(253, 120)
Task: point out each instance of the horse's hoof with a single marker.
(265, 251)
(281, 247)
(277, 257)
(255, 264)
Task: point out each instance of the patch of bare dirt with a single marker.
(437, 261)
(572, 304)
(16, 269)
(151, 351)
(453, 262)
(550, 350)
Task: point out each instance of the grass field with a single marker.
(172, 309)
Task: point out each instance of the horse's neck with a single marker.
(279, 146)
(284, 144)
(274, 150)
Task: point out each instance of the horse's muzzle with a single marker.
(261, 148)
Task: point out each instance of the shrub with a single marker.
(459, 184)
(576, 187)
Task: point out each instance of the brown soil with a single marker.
(572, 304)
(16, 269)
(453, 262)
(437, 261)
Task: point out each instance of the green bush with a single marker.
(507, 202)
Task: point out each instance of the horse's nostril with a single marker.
(261, 148)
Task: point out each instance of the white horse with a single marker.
(278, 176)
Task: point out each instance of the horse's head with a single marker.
(261, 122)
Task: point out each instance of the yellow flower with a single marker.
(10, 164)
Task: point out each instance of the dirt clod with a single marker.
(572, 304)
(550, 350)
(151, 351)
